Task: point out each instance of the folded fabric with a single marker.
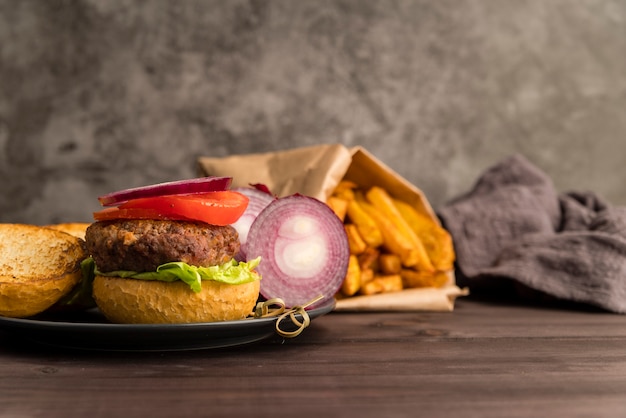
(513, 226)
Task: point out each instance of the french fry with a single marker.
(352, 282)
(382, 284)
(393, 240)
(391, 283)
(390, 263)
(371, 288)
(368, 259)
(412, 278)
(345, 190)
(339, 206)
(356, 243)
(382, 201)
(367, 227)
(367, 275)
(437, 241)
(345, 185)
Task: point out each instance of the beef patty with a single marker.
(143, 245)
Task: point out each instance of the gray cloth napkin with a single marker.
(513, 226)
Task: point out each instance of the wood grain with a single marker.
(482, 360)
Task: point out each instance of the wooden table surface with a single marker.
(482, 360)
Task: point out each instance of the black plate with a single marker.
(90, 330)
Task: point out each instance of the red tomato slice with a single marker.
(216, 208)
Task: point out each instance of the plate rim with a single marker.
(247, 330)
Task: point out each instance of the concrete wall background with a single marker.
(101, 95)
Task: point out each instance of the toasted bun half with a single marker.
(133, 301)
(38, 266)
(77, 229)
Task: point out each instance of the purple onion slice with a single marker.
(303, 248)
(180, 187)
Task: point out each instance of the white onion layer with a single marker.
(257, 201)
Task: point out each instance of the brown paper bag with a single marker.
(312, 171)
(316, 171)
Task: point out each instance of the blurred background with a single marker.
(97, 96)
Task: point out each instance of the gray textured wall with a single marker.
(101, 95)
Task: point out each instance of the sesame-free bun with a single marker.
(38, 266)
(135, 301)
(73, 228)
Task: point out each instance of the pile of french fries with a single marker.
(393, 246)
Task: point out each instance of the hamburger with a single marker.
(170, 258)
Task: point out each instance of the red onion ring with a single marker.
(257, 201)
(189, 186)
(303, 248)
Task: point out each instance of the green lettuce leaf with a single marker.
(80, 297)
(231, 272)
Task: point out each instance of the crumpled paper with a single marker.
(420, 299)
(312, 171)
(315, 171)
